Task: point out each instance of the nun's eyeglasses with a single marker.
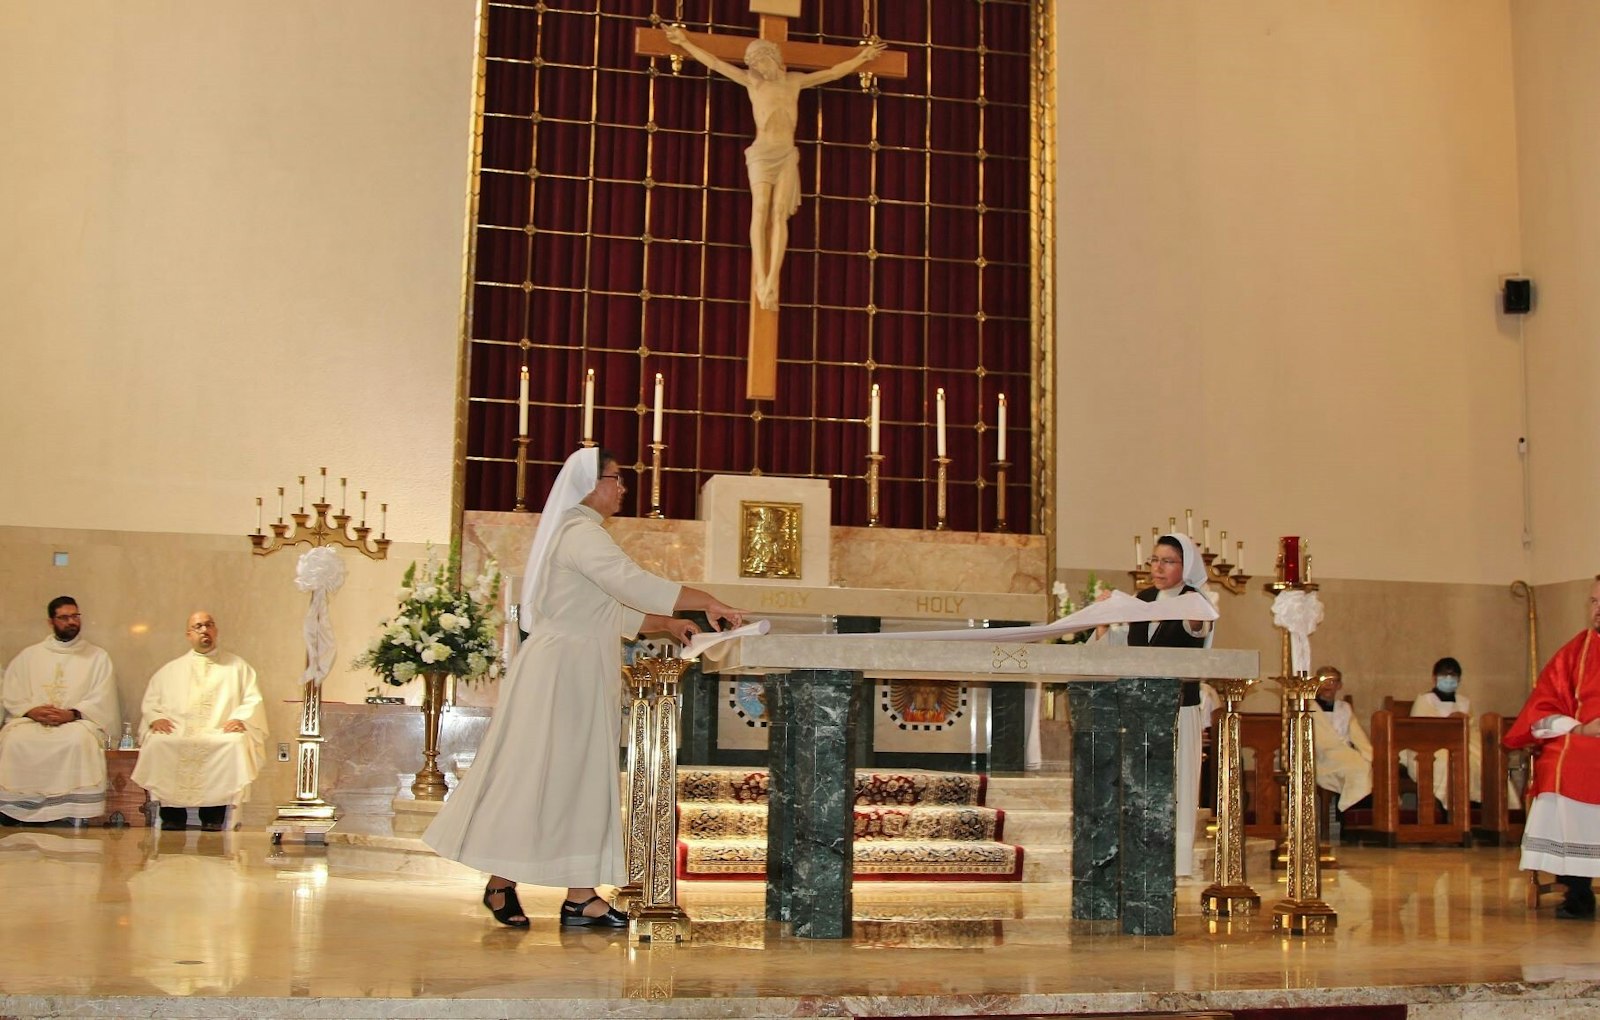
(1165, 562)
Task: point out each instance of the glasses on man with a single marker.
(69, 617)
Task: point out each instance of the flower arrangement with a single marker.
(440, 627)
(1066, 607)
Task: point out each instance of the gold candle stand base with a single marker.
(656, 450)
(1000, 469)
(940, 502)
(874, 465)
(521, 506)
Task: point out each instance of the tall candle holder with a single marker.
(1302, 911)
(1229, 895)
(656, 450)
(874, 466)
(940, 493)
(309, 814)
(521, 506)
(1000, 469)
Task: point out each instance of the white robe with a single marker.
(542, 802)
(51, 772)
(1343, 753)
(197, 764)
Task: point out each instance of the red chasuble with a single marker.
(1568, 765)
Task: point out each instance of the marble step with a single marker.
(1044, 790)
(1033, 828)
(1046, 863)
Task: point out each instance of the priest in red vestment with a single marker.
(1561, 724)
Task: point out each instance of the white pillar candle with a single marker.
(324, 484)
(1000, 428)
(873, 418)
(302, 492)
(588, 405)
(363, 508)
(342, 490)
(1138, 552)
(1205, 526)
(522, 402)
(938, 417)
(1224, 544)
(280, 504)
(1238, 560)
(258, 515)
(1188, 523)
(660, 394)
(383, 519)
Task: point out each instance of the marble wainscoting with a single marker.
(370, 753)
(860, 557)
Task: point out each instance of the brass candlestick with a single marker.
(940, 483)
(1000, 469)
(1229, 895)
(1303, 911)
(874, 465)
(521, 506)
(655, 479)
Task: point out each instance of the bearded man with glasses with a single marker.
(60, 704)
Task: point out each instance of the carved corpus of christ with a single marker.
(772, 161)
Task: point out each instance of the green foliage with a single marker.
(440, 627)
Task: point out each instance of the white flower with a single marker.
(405, 671)
(404, 594)
(439, 652)
(449, 622)
(1059, 589)
(476, 663)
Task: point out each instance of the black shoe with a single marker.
(510, 912)
(572, 916)
(174, 819)
(212, 818)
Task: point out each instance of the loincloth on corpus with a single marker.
(779, 168)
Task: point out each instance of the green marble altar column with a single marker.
(780, 798)
(1096, 800)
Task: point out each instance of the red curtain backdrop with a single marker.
(613, 234)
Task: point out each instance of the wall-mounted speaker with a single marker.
(1517, 296)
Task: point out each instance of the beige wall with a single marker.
(1282, 227)
(1558, 110)
(232, 254)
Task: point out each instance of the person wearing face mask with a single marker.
(1446, 701)
(1343, 753)
(1176, 567)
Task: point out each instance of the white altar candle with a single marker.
(1224, 545)
(660, 393)
(342, 491)
(363, 508)
(522, 402)
(1205, 525)
(258, 515)
(1188, 523)
(1238, 561)
(588, 405)
(302, 492)
(383, 519)
(938, 416)
(1000, 428)
(324, 484)
(280, 504)
(872, 420)
(1138, 552)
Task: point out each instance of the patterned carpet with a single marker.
(910, 825)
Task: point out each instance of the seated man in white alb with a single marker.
(60, 699)
(1342, 751)
(202, 735)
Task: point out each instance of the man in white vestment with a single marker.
(1342, 751)
(202, 734)
(60, 704)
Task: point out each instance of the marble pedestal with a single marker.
(412, 816)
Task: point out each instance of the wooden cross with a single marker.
(761, 379)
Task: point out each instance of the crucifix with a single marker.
(772, 160)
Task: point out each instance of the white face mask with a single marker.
(1446, 684)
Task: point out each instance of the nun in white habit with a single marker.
(541, 802)
(1176, 567)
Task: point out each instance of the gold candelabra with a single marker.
(941, 502)
(874, 466)
(656, 449)
(1229, 577)
(321, 528)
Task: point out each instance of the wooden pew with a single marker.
(1392, 734)
(1261, 733)
(1499, 824)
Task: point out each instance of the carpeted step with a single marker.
(702, 820)
(905, 786)
(881, 859)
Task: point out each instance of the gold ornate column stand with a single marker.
(655, 916)
(1303, 911)
(1229, 895)
(941, 502)
(430, 784)
(874, 466)
(637, 844)
(656, 449)
(1327, 853)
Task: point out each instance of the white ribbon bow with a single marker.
(320, 572)
(1298, 612)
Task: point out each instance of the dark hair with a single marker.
(1171, 540)
(57, 603)
(605, 455)
(1447, 665)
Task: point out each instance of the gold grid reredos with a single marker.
(915, 469)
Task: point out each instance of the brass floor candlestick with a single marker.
(1000, 469)
(656, 450)
(940, 502)
(1229, 895)
(1327, 853)
(521, 506)
(638, 839)
(1303, 911)
(874, 465)
(656, 916)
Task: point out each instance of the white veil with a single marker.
(1194, 573)
(577, 479)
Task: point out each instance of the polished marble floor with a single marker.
(135, 922)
